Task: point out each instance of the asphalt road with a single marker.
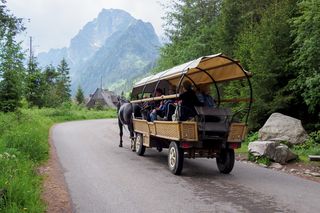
(102, 177)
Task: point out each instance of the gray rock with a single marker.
(315, 174)
(293, 170)
(275, 166)
(275, 151)
(283, 154)
(307, 172)
(280, 127)
(262, 148)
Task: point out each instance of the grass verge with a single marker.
(24, 146)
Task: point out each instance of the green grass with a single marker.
(310, 147)
(253, 136)
(24, 147)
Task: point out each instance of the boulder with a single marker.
(283, 154)
(280, 127)
(273, 150)
(263, 148)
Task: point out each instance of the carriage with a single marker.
(214, 132)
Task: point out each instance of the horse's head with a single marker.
(121, 101)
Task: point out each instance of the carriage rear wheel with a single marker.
(175, 158)
(140, 148)
(225, 161)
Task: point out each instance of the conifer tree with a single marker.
(51, 98)
(63, 82)
(80, 95)
(35, 84)
(12, 70)
(11, 61)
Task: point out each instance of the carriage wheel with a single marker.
(175, 158)
(225, 161)
(140, 148)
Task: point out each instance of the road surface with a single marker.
(101, 177)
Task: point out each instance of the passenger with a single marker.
(168, 106)
(188, 100)
(156, 105)
(204, 96)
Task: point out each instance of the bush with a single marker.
(310, 147)
(259, 159)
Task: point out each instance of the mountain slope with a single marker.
(115, 47)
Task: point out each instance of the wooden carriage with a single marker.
(214, 132)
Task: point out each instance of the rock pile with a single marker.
(278, 128)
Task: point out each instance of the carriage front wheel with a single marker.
(175, 158)
(225, 161)
(140, 148)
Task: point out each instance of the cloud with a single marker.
(54, 22)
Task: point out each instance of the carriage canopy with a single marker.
(207, 69)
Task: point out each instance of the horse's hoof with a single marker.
(120, 145)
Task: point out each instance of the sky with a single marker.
(52, 23)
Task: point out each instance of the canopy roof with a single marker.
(207, 69)
(219, 67)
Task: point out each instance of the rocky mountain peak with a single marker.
(113, 43)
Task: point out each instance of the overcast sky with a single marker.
(54, 22)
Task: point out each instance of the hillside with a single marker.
(114, 46)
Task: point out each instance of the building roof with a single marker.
(107, 97)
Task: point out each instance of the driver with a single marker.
(188, 100)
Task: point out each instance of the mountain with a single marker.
(114, 47)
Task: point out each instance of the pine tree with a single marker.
(63, 82)
(51, 99)
(80, 95)
(12, 71)
(11, 61)
(35, 84)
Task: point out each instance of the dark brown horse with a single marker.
(126, 111)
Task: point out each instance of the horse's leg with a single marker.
(121, 132)
(130, 127)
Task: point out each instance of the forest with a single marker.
(278, 41)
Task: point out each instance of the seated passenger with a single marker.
(157, 105)
(188, 100)
(204, 96)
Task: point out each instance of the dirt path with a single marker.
(55, 191)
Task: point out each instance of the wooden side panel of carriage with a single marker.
(237, 132)
(171, 130)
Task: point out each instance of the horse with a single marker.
(125, 110)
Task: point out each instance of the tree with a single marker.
(306, 33)
(35, 84)
(80, 95)
(12, 70)
(11, 61)
(50, 76)
(189, 26)
(264, 48)
(63, 81)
